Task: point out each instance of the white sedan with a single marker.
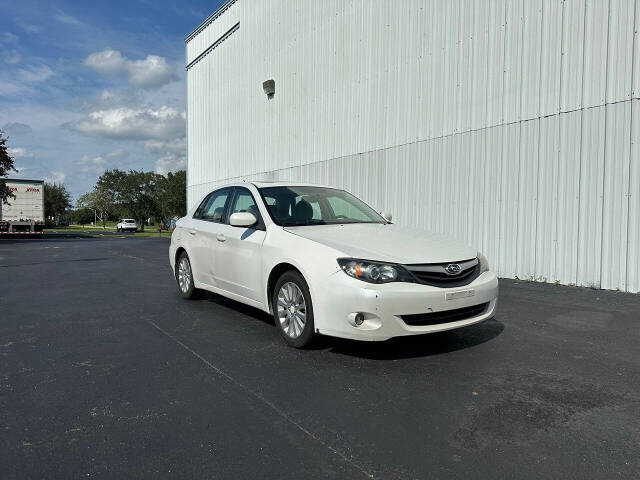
(127, 225)
(321, 261)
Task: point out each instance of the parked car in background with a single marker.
(322, 261)
(127, 225)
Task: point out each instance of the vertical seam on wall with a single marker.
(634, 49)
(577, 253)
(519, 123)
(604, 160)
(540, 67)
(559, 149)
(584, 41)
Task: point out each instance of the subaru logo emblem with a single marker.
(452, 269)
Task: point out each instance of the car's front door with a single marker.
(207, 225)
(238, 258)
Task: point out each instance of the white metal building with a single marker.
(512, 125)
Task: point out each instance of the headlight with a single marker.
(374, 272)
(484, 265)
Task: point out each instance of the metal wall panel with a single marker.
(616, 196)
(633, 235)
(508, 124)
(213, 32)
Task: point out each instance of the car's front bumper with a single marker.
(342, 297)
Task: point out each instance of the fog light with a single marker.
(359, 319)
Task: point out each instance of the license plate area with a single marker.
(470, 292)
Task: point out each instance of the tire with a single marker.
(294, 320)
(187, 289)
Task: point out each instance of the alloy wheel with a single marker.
(292, 309)
(184, 275)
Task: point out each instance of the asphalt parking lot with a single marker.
(106, 372)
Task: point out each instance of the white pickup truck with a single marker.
(23, 214)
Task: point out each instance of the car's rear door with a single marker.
(239, 254)
(203, 231)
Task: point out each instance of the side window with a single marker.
(243, 202)
(202, 206)
(212, 208)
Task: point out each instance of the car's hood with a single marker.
(389, 243)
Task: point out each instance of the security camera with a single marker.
(269, 87)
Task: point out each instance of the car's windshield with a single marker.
(129, 221)
(295, 206)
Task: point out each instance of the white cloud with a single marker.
(92, 164)
(171, 155)
(152, 72)
(8, 37)
(169, 164)
(33, 74)
(56, 177)
(107, 62)
(27, 27)
(68, 19)
(12, 57)
(133, 124)
(100, 163)
(19, 152)
(17, 128)
(177, 147)
(110, 99)
(8, 89)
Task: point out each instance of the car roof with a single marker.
(276, 184)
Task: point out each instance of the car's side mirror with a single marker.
(387, 216)
(242, 219)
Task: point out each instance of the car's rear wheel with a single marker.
(293, 310)
(184, 276)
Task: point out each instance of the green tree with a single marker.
(172, 195)
(6, 166)
(56, 199)
(135, 193)
(101, 201)
(82, 216)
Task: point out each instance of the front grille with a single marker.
(448, 316)
(435, 274)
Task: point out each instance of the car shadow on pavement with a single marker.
(238, 307)
(416, 345)
(393, 349)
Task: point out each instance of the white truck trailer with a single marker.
(23, 214)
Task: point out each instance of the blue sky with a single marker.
(91, 85)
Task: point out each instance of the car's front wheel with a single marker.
(184, 276)
(293, 310)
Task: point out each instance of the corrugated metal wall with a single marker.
(513, 125)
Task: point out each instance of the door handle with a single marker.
(192, 232)
(221, 237)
